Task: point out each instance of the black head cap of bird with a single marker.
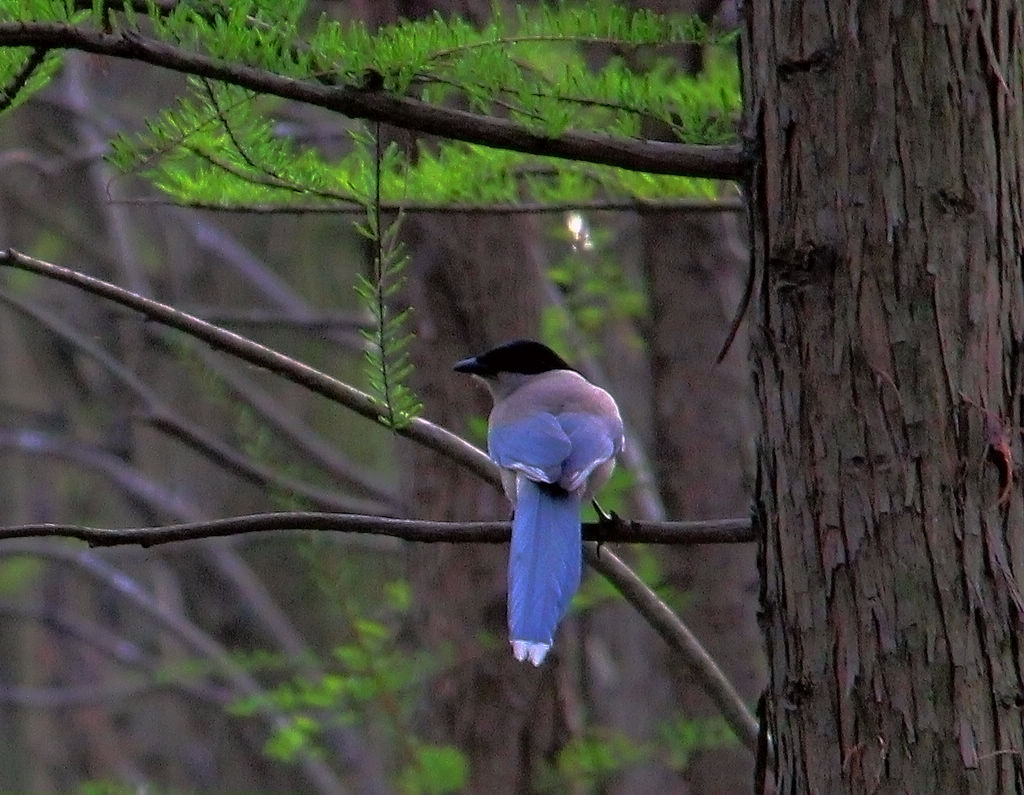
(525, 357)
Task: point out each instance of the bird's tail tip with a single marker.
(529, 650)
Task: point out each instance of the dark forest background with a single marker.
(290, 661)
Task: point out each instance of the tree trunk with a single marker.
(703, 456)
(474, 282)
(888, 323)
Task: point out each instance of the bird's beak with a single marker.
(470, 365)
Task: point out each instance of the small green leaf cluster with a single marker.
(371, 682)
(370, 671)
(388, 365)
(257, 33)
(681, 738)
(434, 770)
(594, 289)
(23, 70)
(218, 143)
(592, 759)
(17, 575)
(589, 761)
(22, 73)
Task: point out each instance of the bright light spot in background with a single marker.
(579, 231)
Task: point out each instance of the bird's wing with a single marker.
(535, 445)
(593, 441)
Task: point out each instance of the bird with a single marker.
(554, 436)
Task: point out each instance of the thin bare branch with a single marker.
(717, 531)
(224, 559)
(116, 647)
(656, 157)
(251, 470)
(638, 594)
(129, 481)
(727, 205)
(88, 695)
(269, 318)
(88, 633)
(193, 435)
(289, 427)
(215, 240)
(667, 624)
(426, 433)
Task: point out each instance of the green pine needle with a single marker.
(388, 365)
(221, 146)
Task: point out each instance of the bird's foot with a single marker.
(605, 520)
(603, 516)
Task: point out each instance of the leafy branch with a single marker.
(387, 356)
(358, 100)
(532, 70)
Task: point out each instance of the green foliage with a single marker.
(597, 296)
(41, 10)
(256, 33)
(434, 770)
(102, 787)
(372, 683)
(590, 760)
(192, 669)
(297, 736)
(476, 430)
(219, 142)
(679, 739)
(593, 285)
(220, 146)
(387, 356)
(23, 71)
(17, 574)
(371, 672)
(534, 69)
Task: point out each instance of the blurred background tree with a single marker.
(286, 662)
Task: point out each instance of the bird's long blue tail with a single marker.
(544, 566)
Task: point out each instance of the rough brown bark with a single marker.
(888, 238)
